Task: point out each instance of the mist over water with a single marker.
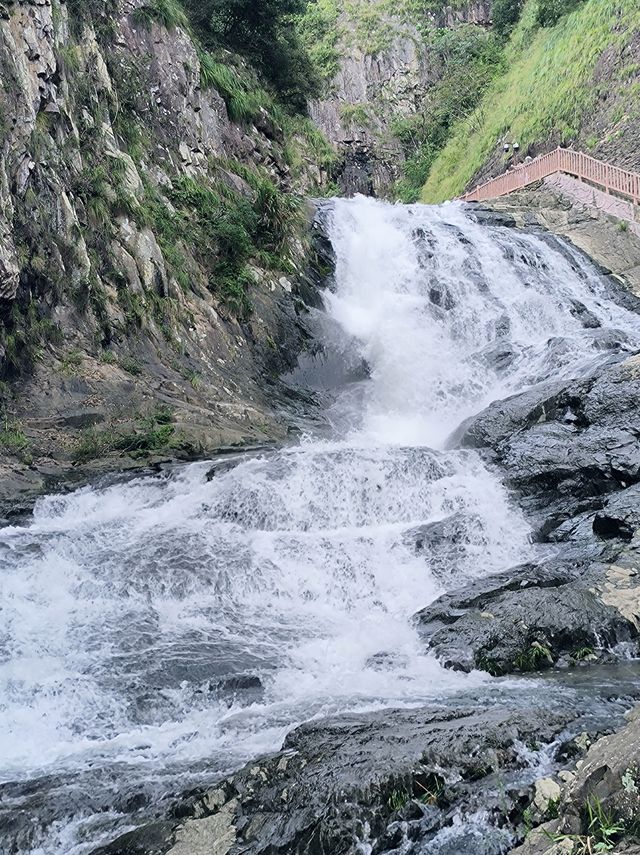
(157, 633)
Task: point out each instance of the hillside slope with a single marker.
(576, 82)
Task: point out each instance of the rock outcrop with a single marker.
(370, 781)
(385, 70)
(118, 334)
(570, 452)
(598, 804)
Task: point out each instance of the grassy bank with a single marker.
(545, 93)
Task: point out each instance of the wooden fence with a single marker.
(609, 178)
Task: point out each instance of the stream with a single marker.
(157, 633)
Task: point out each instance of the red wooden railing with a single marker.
(610, 178)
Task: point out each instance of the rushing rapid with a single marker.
(160, 632)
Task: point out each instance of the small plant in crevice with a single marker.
(491, 666)
(603, 825)
(602, 830)
(429, 789)
(243, 98)
(582, 653)
(70, 362)
(397, 800)
(130, 365)
(533, 658)
(13, 439)
(167, 13)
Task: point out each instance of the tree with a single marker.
(265, 34)
(550, 11)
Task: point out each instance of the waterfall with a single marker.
(157, 633)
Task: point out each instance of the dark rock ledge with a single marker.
(375, 779)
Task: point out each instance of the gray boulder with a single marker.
(524, 620)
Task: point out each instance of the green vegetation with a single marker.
(130, 365)
(533, 658)
(320, 33)
(603, 826)
(550, 11)
(428, 789)
(100, 12)
(582, 653)
(12, 437)
(225, 229)
(356, 114)
(303, 141)
(544, 93)
(469, 60)
(397, 800)
(243, 96)
(505, 14)
(168, 13)
(602, 829)
(24, 333)
(154, 432)
(265, 34)
(491, 666)
(70, 361)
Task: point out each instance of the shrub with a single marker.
(243, 100)
(505, 14)
(550, 11)
(168, 13)
(265, 34)
(469, 59)
(153, 432)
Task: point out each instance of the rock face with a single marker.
(566, 446)
(597, 234)
(525, 620)
(107, 316)
(385, 70)
(570, 451)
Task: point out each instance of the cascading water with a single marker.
(160, 632)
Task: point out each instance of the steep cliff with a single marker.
(382, 64)
(152, 257)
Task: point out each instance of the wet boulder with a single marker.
(565, 444)
(616, 518)
(524, 620)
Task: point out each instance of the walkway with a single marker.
(602, 176)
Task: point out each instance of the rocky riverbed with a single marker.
(481, 774)
(294, 574)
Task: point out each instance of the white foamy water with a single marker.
(128, 611)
